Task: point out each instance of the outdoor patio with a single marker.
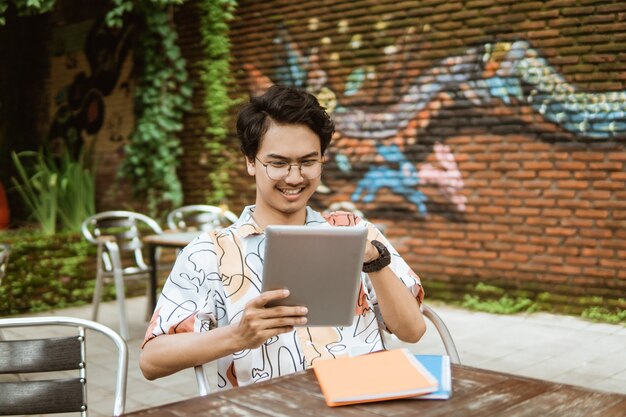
(558, 348)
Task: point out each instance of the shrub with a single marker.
(46, 272)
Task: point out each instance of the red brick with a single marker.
(514, 257)
(524, 211)
(530, 248)
(555, 174)
(556, 212)
(599, 272)
(564, 269)
(602, 253)
(576, 260)
(595, 195)
(613, 263)
(507, 266)
(562, 250)
(579, 185)
(540, 202)
(560, 231)
(593, 214)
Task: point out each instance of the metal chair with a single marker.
(54, 356)
(444, 333)
(118, 235)
(200, 217)
(201, 380)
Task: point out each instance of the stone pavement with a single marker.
(557, 348)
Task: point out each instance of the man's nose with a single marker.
(294, 176)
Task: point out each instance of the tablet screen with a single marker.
(321, 267)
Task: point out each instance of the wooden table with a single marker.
(477, 392)
(165, 240)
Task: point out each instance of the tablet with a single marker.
(321, 267)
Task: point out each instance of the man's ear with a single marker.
(251, 167)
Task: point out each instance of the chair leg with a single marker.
(121, 301)
(97, 292)
(120, 293)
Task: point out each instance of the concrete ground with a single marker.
(552, 347)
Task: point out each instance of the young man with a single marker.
(211, 307)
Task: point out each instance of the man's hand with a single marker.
(259, 323)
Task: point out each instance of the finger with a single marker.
(276, 323)
(285, 311)
(269, 333)
(267, 296)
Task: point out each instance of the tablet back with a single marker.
(320, 266)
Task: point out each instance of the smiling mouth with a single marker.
(291, 191)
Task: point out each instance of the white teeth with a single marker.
(291, 192)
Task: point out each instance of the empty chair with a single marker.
(200, 217)
(118, 235)
(54, 392)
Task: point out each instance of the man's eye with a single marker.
(278, 164)
(309, 163)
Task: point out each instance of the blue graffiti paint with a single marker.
(402, 180)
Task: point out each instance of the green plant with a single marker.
(162, 95)
(60, 189)
(503, 305)
(605, 315)
(26, 7)
(38, 190)
(46, 272)
(216, 78)
(77, 194)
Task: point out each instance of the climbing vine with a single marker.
(26, 7)
(162, 95)
(216, 78)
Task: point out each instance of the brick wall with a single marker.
(89, 93)
(489, 137)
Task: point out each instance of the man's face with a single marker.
(284, 197)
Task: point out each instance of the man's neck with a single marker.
(263, 216)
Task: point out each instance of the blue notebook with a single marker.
(439, 367)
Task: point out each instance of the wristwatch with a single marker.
(384, 258)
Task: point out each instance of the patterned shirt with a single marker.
(218, 273)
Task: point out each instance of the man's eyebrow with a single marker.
(284, 158)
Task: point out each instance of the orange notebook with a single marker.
(378, 376)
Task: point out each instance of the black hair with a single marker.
(281, 105)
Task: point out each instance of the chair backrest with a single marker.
(201, 217)
(49, 356)
(5, 251)
(127, 228)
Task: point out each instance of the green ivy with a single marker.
(216, 78)
(26, 7)
(162, 95)
(46, 272)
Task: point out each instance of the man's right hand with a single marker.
(259, 323)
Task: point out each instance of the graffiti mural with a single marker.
(509, 74)
(80, 106)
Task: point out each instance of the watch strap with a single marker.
(383, 260)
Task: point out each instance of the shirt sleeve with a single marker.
(188, 300)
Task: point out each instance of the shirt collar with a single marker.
(246, 226)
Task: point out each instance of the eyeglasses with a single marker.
(277, 170)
